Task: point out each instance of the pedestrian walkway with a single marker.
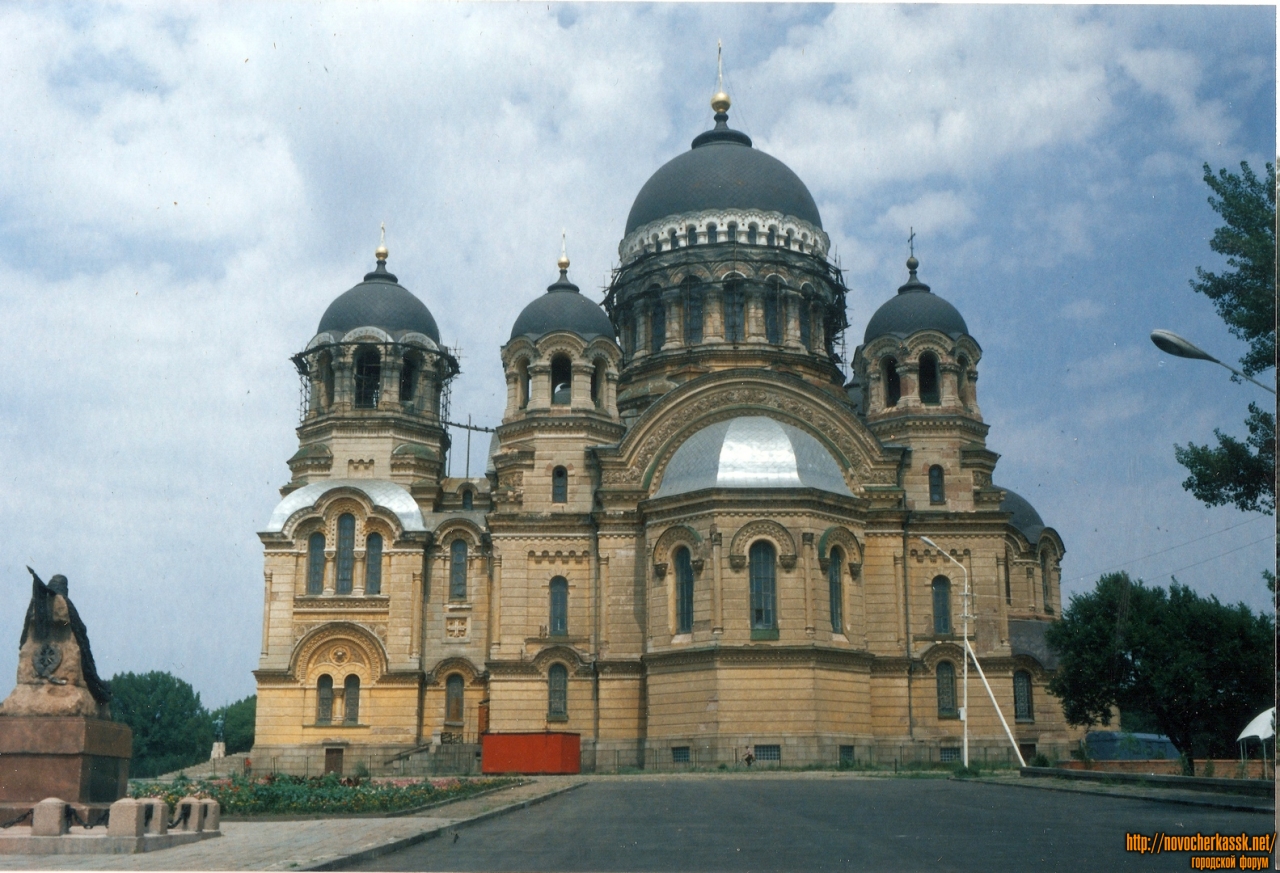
(309, 844)
(1183, 796)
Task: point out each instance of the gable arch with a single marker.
(445, 667)
(566, 655)
(942, 652)
(364, 649)
(678, 535)
(762, 529)
(838, 535)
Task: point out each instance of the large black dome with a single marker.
(722, 171)
(915, 308)
(379, 301)
(562, 308)
(1025, 518)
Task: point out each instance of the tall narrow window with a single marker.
(408, 378)
(1008, 584)
(772, 314)
(351, 700)
(929, 379)
(692, 294)
(945, 675)
(522, 373)
(835, 590)
(892, 384)
(941, 605)
(324, 700)
(734, 311)
(558, 692)
(453, 699)
(731, 232)
(712, 237)
(1044, 581)
(315, 563)
(671, 234)
(962, 380)
(762, 560)
(368, 368)
(561, 380)
(468, 502)
(373, 564)
(751, 234)
(559, 607)
(657, 326)
(559, 485)
(1022, 708)
(346, 552)
(806, 324)
(691, 235)
(326, 378)
(937, 485)
(458, 570)
(684, 591)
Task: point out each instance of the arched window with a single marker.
(937, 485)
(731, 232)
(346, 552)
(772, 312)
(671, 234)
(373, 564)
(1044, 582)
(458, 570)
(1022, 707)
(691, 235)
(324, 700)
(559, 485)
(945, 675)
(751, 234)
(712, 238)
(772, 239)
(468, 502)
(692, 294)
(684, 591)
(892, 384)
(351, 700)
(762, 560)
(835, 590)
(806, 323)
(734, 310)
(657, 326)
(559, 626)
(315, 563)
(408, 378)
(453, 699)
(941, 605)
(368, 367)
(962, 379)
(929, 378)
(522, 374)
(558, 692)
(326, 378)
(561, 380)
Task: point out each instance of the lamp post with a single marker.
(969, 653)
(1169, 342)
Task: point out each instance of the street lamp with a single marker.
(969, 653)
(1169, 342)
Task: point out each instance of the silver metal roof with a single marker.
(751, 452)
(387, 495)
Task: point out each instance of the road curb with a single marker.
(421, 837)
(1180, 801)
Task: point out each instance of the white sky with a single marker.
(183, 189)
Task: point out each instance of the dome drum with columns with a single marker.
(691, 539)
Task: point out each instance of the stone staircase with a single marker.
(212, 768)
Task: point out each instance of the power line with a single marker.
(1215, 557)
(1170, 549)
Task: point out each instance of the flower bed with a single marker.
(275, 794)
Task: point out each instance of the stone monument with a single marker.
(57, 738)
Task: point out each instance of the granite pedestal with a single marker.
(83, 761)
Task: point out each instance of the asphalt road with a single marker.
(746, 824)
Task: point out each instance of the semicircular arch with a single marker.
(322, 645)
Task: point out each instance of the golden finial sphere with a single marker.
(380, 253)
(563, 262)
(720, 102)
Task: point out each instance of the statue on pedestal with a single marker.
(56, 673)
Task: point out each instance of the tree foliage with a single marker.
(239, 717)
(171, 729)
(1197, 668)
(1242, 473)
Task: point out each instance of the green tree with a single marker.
(1197, 669)
(1242, 473)
(239, 718)
(171, 729)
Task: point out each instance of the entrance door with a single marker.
(333, 761)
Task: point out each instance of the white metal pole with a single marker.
(964, 713)
(992, 695)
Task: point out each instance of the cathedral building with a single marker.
(693, 539)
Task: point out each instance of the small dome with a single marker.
(379, 301)
(915, 308)
(1025, 518)
(722, 171)
(751, 452)
(562, 308)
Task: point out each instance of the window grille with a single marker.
(768, 753)
(315, 563)
(458, 570)
(949, 755)
(453, 699)
(368, 369)
(763, 580)
(373, 564)
(941, 605)
(559, 485)
(679, 754)
(1022, 708)
(559, 607)
(558, 692)
(351, 700)
(846, 755)
(324, 700)
(684, 591)
(937, 485)
(835, 586)
(945, 675)
(346, 552)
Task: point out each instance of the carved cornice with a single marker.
(711, 657)
(808, 238)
